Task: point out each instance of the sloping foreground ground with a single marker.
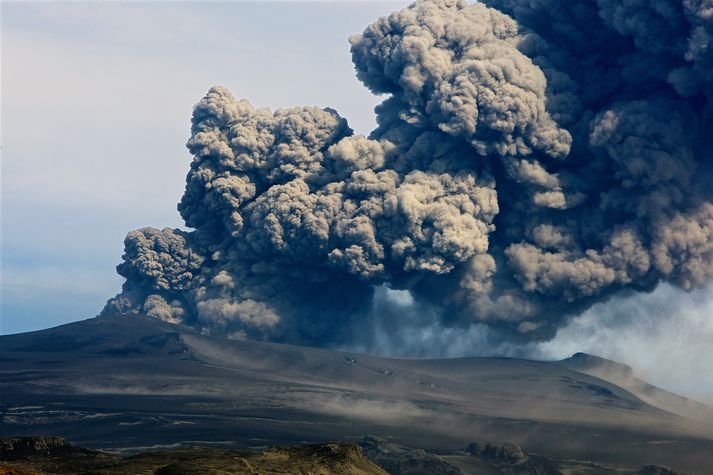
(131, 383)
(623, 376)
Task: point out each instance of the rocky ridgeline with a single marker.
(372, 456)
(20, 448)
(657, 470)
(55, 455)
(398, 459)
(511, 459)
(499, 452)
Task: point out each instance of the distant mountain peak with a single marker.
(585, 362)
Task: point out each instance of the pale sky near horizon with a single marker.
(96, 105)
(97, 99)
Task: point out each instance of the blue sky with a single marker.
(96, 108)
(96, 104)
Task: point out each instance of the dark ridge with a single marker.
(499, 452)
(585, 362)
(399, 459)
(55, 455)
(28, 448)
(101, 335)
(657, 470)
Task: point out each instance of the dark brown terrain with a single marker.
(54, 455)
(60, 457)
(131, 384)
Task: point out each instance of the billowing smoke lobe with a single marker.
(532, 157)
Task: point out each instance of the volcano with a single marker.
(130, 382)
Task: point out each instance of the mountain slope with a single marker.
(128, 382)
(701, 415)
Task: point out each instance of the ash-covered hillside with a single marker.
(131, 382)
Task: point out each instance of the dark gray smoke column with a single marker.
(524, 167)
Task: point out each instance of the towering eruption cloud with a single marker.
(532, 157)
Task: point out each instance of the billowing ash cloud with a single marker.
(531, 159)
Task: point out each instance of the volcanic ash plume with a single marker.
(531, 159)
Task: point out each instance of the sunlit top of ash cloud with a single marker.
(531, 158)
